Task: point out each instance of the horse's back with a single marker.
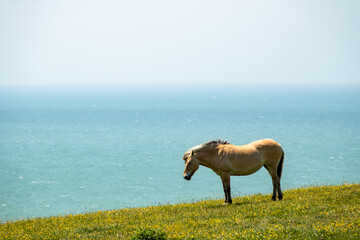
(265, 143)
(270, 150)
(252, 149)
(262, 152)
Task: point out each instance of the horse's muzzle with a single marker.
(187, 177)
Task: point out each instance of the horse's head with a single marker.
(191, 164)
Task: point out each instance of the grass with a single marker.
(321, 212)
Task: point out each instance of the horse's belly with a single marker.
(242, 172)
(246, 166)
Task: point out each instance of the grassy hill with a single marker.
(326, 212)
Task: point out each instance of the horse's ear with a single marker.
(192, 153)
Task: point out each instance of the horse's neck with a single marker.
(205, 163)
(206, 160)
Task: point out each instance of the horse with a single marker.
(228, 160)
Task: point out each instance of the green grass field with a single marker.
(326, 212)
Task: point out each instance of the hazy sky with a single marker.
(179, 41)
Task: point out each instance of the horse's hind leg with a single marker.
(280, 195)
(276, 189)
(276, 183)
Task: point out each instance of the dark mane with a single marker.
(219, 141)
(203, 146)
(208, 144)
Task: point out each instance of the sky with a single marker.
(172, 42)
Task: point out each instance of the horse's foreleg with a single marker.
(225, 191)
(225, 178)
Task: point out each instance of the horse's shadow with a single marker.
(222, 205)
(237, 203)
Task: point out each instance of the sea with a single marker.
(69, 150)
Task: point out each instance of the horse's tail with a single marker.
(280, 165)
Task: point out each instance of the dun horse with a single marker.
(228, 160)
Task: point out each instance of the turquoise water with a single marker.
(80, 150)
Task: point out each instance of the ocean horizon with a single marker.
(76, 150)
